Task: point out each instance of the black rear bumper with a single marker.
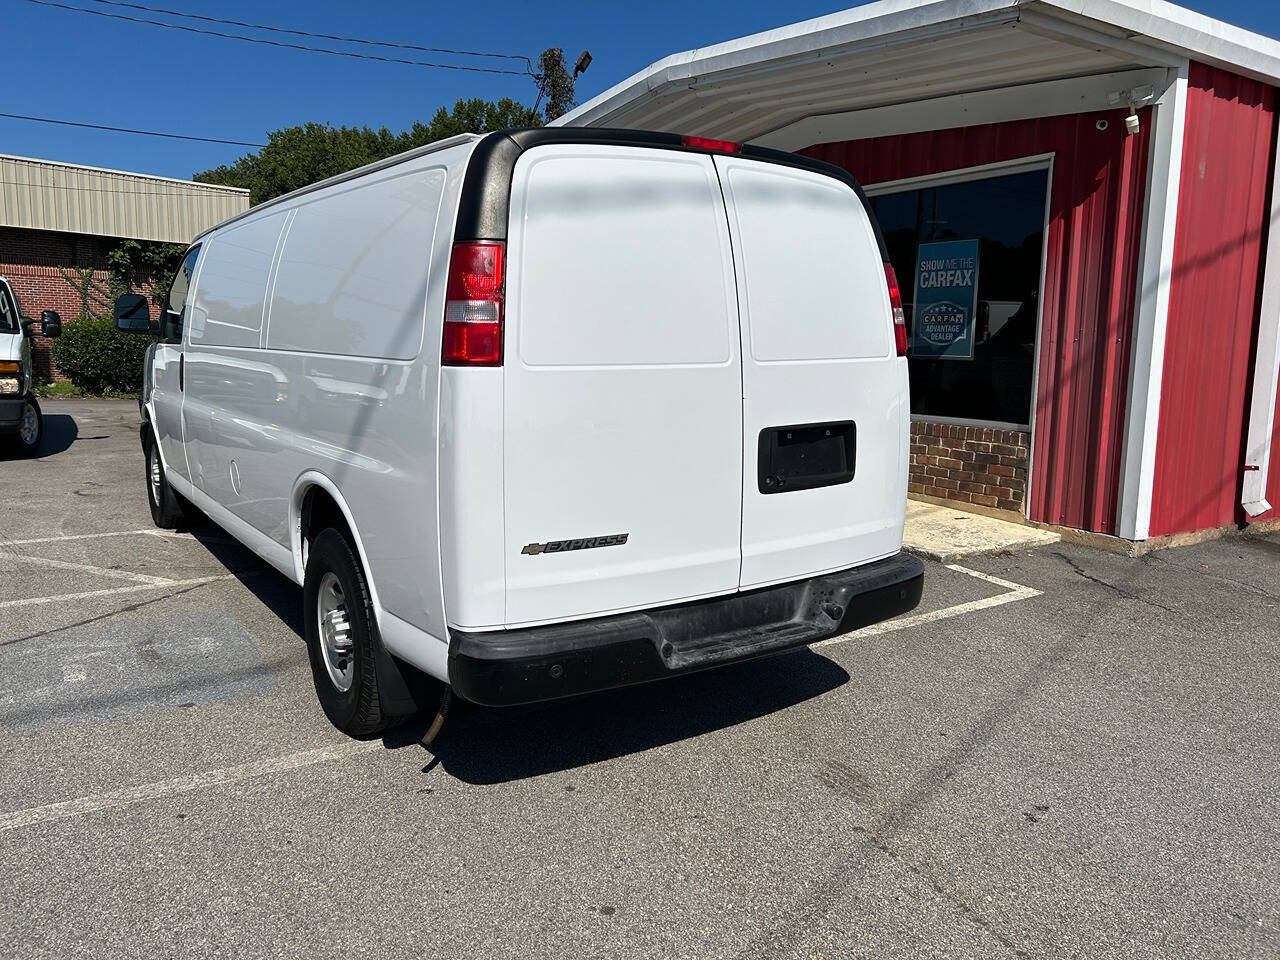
(507, 667)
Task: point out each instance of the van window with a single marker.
(623, 259)
(10, 320)
(171, 320)
(352, 278)
(229, 301)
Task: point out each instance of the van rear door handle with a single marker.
(182, 366)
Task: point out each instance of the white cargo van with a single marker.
(545, 411)
(21, 422)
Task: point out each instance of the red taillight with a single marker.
(709, 143)
(899, 316)
(473, 306)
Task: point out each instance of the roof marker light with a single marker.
(709, 143)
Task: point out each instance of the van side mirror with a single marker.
(50, 323)
(132, 313)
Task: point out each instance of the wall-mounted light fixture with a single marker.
(1133, 99)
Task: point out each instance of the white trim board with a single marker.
(1039, 353)
(1027, 102)
(985, 171)
(1151, 313)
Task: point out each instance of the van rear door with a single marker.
(622, 431)
(825, 416)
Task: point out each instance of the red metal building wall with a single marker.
(1095, 214)
(1223, 201)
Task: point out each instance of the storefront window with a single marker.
(968, 259)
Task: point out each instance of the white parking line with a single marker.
(112, 591)
(990, 578)
(198, 781)
(90, 568)
(1016, 592)
(73, 536)
(144, 581)
(125, 796)
(148, 532)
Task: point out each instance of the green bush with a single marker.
(96, 357)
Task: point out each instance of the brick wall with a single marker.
(982, 465)
(33, 262)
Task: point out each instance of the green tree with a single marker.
(145, 265)
(297, 156)
(469, 116)
(91, 353)
(555, 83)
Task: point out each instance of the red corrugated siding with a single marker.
(1095, 211)
(1223, 200)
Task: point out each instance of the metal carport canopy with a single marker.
(900, 51)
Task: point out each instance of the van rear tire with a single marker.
(339, 625)
(166, 505)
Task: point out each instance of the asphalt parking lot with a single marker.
(1062, 753)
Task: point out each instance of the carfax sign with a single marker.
(946, 301)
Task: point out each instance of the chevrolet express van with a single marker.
(21, 421)
(545, 412)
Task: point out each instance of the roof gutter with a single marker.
(1155, 23)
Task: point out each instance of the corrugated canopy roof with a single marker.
(900, 51)
(46, 195)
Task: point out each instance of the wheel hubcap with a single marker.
(29, 429)
(153, 474)
(335, 632)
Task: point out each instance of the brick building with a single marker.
(1103, 171)
(58, 220)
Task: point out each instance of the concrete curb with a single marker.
(947, 534)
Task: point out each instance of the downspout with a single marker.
(1266, 364)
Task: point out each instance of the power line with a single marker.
(280, 43)
(144, 133)
(318, 36)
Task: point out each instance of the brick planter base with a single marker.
(982, 465)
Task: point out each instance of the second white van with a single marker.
(545, 412)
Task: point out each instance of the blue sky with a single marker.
(80, 67)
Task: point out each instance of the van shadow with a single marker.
(60, 432)
(273, 589)
(484, 746)
(488, 745)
